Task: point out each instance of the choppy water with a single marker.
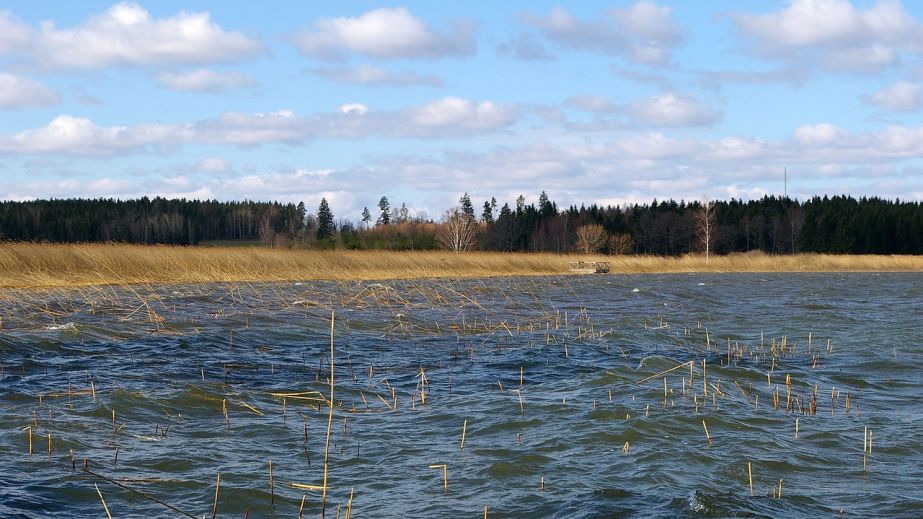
(165, 359)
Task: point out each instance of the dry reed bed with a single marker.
(25, 265)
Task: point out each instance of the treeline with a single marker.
(777, 225)
(149, 221)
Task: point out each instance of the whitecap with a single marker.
(59, 327)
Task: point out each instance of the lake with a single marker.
(573, 395)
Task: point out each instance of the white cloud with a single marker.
(385, 33)
(902, 96)
(458, 113)
(590, 103)
(204, 80)
(353, 108)
(824, 134)
(448, 117)
(642, 33)
(214, 165)
(16, 92)
(524, 47)
(14, 35)
(835, 33)
(126, 35)
(672, 109)
(372, 75)
(78, 136)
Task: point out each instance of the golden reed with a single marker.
(33, 265)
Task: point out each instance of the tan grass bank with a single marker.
(24, 265)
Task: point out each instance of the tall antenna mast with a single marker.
(786, 181)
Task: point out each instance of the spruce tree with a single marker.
(325, 226)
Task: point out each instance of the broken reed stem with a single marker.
(142, 494)
(105, 507)
(707, 436)
(301, 508)
(29, 428)
(323, 506)
(658, 375)
(217, 488)
(349, 504)
(445, 475)
(464, 430)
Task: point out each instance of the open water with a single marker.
(545, 375)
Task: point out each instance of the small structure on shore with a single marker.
(589, 267)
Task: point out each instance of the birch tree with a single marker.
(705, 225)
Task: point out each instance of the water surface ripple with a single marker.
(132, 383)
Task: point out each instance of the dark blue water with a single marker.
(576, 436)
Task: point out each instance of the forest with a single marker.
(776, 225)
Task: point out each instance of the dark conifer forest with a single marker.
(776, 225)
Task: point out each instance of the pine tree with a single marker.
(404, 215)
(325, 226)
(366, 216)
(385, 207)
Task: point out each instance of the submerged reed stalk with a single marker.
(272, 490)
(750, 476)
(707, 436)
(329, 420)
(464, 430)
(217, 489)
(105, 507)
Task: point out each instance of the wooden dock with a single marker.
(589, 267)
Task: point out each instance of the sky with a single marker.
(611, 103)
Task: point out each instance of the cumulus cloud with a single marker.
(16, 92)
(204, 80)
(590, 103)
(214, 165)
(642, 33)
(14, 35)
(634, 167)
(525, 47)
(79, 136)
(835, 33)
(448, 117)
(462, 114)
(902, 96)
(127, 35)
(671, 109)
(386, 33)
(372, 75)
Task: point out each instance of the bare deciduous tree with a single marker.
(458, 230)
(621, 243)
(591, 238)
(705, 225)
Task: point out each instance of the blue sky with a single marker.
(595, 102)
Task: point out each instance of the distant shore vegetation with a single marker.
(773, 225)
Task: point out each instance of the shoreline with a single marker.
(31, 265)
